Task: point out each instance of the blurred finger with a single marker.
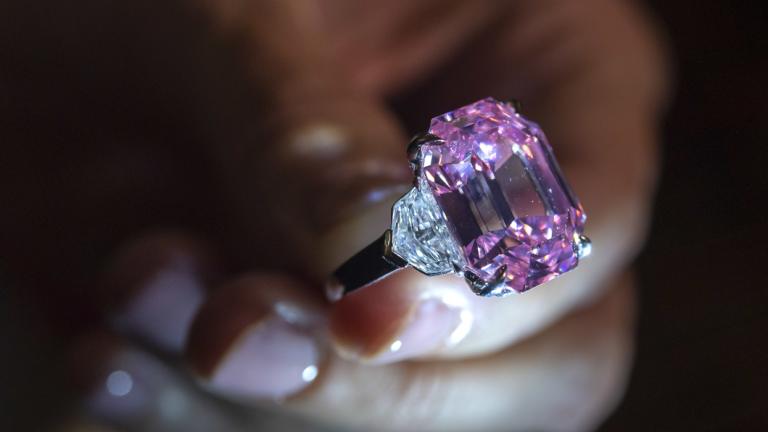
(409, 316)
(118, 383)
(566, 377)
(258, 337)
(121, 386)
(154, 286)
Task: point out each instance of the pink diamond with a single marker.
(505, 200)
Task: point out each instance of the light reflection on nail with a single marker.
(309, 374)
(438, 320)
(127, 388)
(297, 315)
(119, 383)
(319, 140)
(271, 359)
(141, 393)
(466, 317)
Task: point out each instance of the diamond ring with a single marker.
(489, 204)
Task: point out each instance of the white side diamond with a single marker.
(420, 234)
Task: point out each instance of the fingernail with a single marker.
(162, 309)
(271, 359)
(432, 324)
(157, 284)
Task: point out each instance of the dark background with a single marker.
(702, 359)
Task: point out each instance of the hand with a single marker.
(291, 159)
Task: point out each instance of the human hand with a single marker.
(290, 124)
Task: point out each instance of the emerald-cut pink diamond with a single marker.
(505, 201)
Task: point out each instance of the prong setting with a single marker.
(494, 288)
(583, 246)
(516, 104)
(416, 143)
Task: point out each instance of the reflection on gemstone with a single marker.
(494, 198)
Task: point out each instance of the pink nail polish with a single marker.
(272, 359)
(434, 324)
(163, 308)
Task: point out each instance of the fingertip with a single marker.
(404, 316)
(154, 286)
(365, 322)
(219, 322)
(257, 338)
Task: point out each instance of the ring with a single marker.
(489, 204)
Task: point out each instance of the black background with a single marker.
(702, 362)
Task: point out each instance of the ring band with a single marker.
(489, 204)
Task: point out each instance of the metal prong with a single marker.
(516, 105)
(388, 254)
(457, 269)
(583, 246)
(483, 288)
(477, 285)
(417, 142)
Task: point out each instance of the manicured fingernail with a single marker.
(271, 359)
(257, 338)
(432, 325)
(155, 286)
(161, 312)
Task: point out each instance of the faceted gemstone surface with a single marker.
(420, 235)
(502, 195)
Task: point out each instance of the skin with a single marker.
(193, 128)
